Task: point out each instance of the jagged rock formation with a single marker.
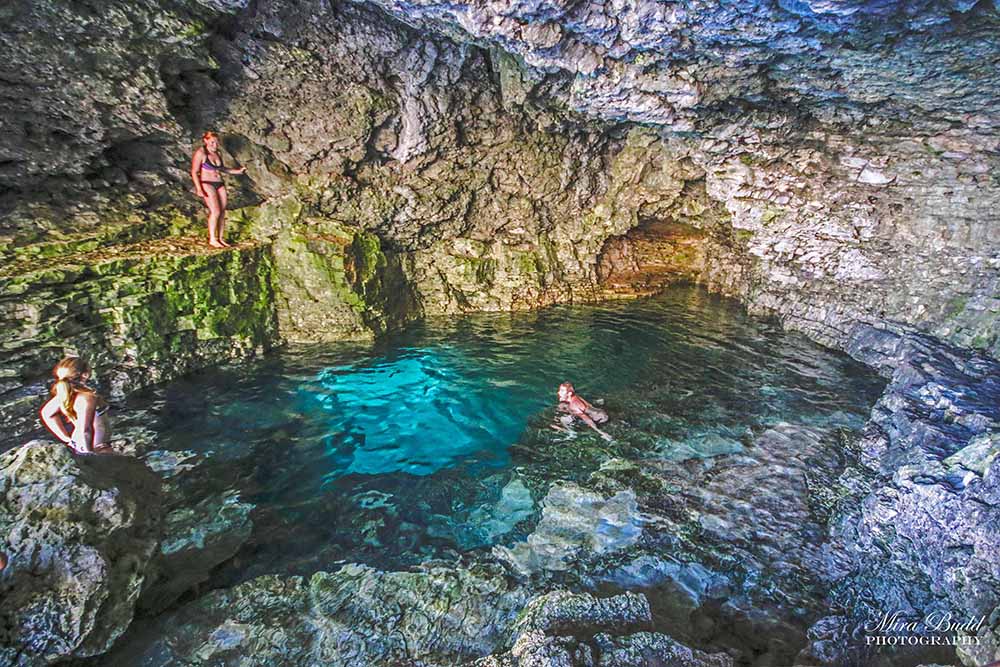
(77, 539)
(852, 142)
(490, 166)
(437, 616)
(561, 629)
(142, 313)
(833, 163)
(356, 615)
(89, 541)
(919, 528)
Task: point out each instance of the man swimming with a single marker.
(577, 406)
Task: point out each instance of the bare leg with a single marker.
(223, 201)
(214, 209)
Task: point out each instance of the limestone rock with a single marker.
(915, 536)
(139, 313)
(78, 534)
(650, 648)
(575, 523)
(563, 629)
(564, 613)
(356, 615)
(195, 540)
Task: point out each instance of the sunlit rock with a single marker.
(78, 535)
(354, 616)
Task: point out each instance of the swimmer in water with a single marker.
(575, 405)
(207, 169)
(74, 402)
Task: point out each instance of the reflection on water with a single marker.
(436, 440)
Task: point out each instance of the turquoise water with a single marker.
(437, 440)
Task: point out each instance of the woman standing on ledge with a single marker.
(206, 172)
(85, 411)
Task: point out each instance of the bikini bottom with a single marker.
(214, 184)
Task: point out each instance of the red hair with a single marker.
(209, 135)
(69, 374)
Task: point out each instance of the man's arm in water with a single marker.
(590, 422)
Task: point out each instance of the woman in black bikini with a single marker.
(206, 172)
(73, 401)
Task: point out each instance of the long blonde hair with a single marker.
(69, 374)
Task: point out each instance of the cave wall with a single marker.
(835, 163)
(140, 314)
(855, 143)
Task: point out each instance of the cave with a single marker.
(761, 239)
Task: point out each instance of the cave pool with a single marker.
(435, 441)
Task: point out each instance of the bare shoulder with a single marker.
(84, 400)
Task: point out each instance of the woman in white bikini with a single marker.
(207, 169)
(74, 402)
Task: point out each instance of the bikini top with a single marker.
(208, 164)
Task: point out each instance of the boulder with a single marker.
(78, 533)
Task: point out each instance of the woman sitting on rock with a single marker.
(206, 172)
(85, 411)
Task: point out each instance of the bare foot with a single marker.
(215, 244)
(225, 244)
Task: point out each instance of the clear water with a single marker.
(436, 441)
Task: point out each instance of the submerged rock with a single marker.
(78, 534)
(563, 629)
(196, 539)
(354, 616)
(575, 523)
(563, 613)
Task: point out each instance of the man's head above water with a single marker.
(566, 391)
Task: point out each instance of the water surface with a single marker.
(437, 440)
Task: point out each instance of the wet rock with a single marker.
(732, 551)
(196, 539)
(139, 313)
(649, 648)
(564, 613)
(567, 629)
(487, 522)
(79, 534)
(764, 511)
(914, 538)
